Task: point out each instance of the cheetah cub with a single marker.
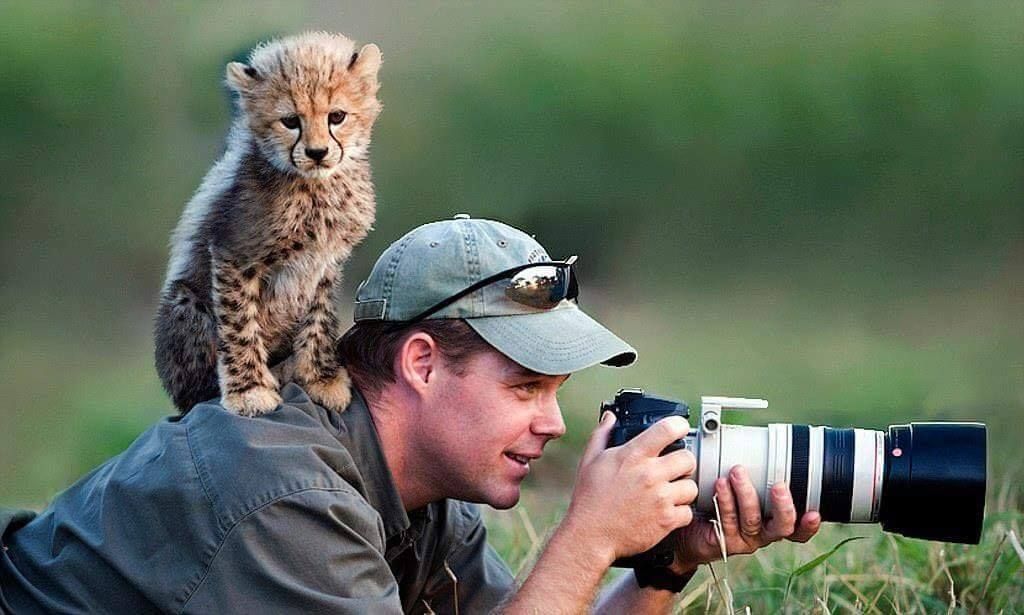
(257, 254)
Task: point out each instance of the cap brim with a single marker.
(554, 342)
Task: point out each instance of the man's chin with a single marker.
(504, 501)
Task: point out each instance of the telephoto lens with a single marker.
(922, 480)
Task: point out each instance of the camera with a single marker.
(922, 480)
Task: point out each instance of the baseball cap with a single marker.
(438, 260)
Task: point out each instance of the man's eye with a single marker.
(291, 122)
(529, 387)
(336, 117)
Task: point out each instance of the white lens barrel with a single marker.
(867, 475)
(728, 446)
(844, 465)
(815, 451)
(780, 452)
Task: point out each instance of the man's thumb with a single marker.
(599, 438)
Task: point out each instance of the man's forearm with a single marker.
(564, 579)
(568, 574)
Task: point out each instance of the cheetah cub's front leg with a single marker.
(246, 384)
(316, 364)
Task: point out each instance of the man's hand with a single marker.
(743, 526)
(629, 497)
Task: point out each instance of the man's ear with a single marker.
(241, 77)
(418, 361)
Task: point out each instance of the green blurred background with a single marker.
(821, 204)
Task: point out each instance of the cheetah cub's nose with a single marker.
(316, 154)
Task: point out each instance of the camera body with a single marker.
(923, 480)
(635, 411)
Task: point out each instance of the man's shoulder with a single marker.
(191, 499)
(246, 463)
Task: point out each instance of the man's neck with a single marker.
(391, 414)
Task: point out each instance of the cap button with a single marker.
(460, 217)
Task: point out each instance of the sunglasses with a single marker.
(540, 285)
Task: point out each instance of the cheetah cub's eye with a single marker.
(291, 122)
(336, 117)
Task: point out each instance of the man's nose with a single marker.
(549, 422)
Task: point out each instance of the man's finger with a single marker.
(684, 492)
(783, 521)
(677, 464)
(684, 516)
(809, 525)
(655, 438)
(599, 438)
(727, 508)
(747, 501)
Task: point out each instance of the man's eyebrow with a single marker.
(523, 372)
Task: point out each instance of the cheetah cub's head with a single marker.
(310, 101)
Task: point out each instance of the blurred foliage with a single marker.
(873, 573)
(819, 204)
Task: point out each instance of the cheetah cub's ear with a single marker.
(365, 63)
(241, 77)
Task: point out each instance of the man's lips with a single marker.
(522, 458)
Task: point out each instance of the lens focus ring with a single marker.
(798, 467)
(837, 475)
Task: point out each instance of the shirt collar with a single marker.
(359, 435)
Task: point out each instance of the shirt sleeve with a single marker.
(482, 579)
(314, 551)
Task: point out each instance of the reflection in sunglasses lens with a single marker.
(540, 287)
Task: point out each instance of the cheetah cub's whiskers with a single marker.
(256, 257)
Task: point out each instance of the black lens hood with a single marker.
(934, 483)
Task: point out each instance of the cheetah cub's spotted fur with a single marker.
(257, 254)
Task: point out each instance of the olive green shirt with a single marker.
(295, 511)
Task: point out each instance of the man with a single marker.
(464, 332)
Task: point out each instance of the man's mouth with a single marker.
(521, 459)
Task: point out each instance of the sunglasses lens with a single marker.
(541, 287)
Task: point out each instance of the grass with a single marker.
(846, 568)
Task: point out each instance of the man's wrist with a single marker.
(579, 538)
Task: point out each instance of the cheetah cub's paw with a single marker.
(332, 393)
(252, 402)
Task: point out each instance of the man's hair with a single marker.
(369, 348)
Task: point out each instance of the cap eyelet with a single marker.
(434, 244)
(502, 243)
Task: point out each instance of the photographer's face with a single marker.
(488, 425)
